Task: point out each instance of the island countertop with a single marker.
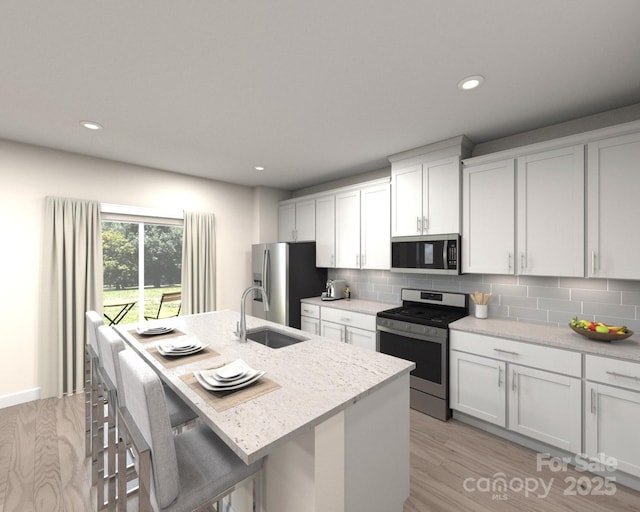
(318, 378)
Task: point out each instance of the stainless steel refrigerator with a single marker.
(288, 273)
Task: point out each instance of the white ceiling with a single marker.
(312, 90)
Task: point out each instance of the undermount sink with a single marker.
(272, 338)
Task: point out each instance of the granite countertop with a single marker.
(559, 337)
(318, 378)
(368, 307)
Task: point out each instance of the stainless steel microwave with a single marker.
(429, 254)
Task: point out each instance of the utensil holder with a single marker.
(481, 310)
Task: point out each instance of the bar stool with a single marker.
(177, 473)
(110, 345)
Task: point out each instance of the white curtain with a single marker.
(71, 285)
(198, 263)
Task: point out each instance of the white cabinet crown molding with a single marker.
(569, 140)
(333, 191)
(460, 145)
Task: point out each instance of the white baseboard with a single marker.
(19, 398)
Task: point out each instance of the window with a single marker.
(142, 260)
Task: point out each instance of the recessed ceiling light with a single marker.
(259, 168)
(91, 125)
(471, 82)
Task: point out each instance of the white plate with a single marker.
(154, 331)
(209, 387)
(184, 343)
(232, 371)
(176, 353)
(210, 378)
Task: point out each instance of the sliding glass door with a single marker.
(142, 261)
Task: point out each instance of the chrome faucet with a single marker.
(241, 326)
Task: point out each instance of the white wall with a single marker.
(29, 173)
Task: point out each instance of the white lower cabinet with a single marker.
(534, 402)
(310, 325)
(612, 412)
(478, 387)
(357, 329)
(310, 318)
(545, 406)
(332, 330)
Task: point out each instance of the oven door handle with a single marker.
(441, 339)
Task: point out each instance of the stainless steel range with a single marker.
(419, 331)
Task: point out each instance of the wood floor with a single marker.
(43, 467)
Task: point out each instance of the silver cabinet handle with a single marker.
(523, 261)
(506, 352)
(615, 374)
(362, 260)
(331, 260)
(418, 225)
(509, 265)
(593, 401)
(357, 260)
(593, 262)
(425, 225)
(514, 376)
(499, 377)
(345, 319)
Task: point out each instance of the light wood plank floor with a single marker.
(43, 467)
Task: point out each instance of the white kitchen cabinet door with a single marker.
(488, 218)
(375, 244)
(551, 213)
(348, 229)
(310, 325)
(332, 330)
(611, 419)
(286, 222)
(613, 180)
(545, 406)
(305, 221)
(361, 338)
(325, 231)
(441, 197)
(406, 189)
(477, 387)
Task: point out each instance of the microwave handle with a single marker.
(445, 255)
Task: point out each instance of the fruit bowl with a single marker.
(601, 336)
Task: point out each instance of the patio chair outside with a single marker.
(167, 297)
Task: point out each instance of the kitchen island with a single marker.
(334, 429)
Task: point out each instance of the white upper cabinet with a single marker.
(426, 198)
(375, 238)
(326, 231)
(550, 213)
(425, 188)
(613, 182)
(348, 229)
(488, 218)
(406, 215)
(352, 228)
(297, 221)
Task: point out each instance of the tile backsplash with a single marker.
(553, 300)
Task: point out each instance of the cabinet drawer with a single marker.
(624, 374)
(360, 320)
(310, 310)
(527, 354)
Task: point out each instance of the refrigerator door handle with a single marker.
(265, 274)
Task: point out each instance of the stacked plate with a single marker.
(235, 375)
(154, 331)
(183, 346)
